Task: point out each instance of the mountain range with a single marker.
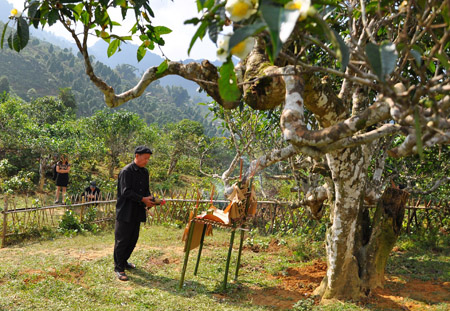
(127, 55)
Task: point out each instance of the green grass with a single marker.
(424, 257)
(76, 273)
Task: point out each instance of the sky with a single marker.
(168, 13)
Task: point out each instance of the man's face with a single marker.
(141, 159)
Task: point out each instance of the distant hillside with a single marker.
(127, 55)
(43, 69)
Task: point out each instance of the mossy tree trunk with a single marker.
(379, 239)
(358, 248)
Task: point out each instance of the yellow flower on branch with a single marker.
(301, 5)
(241, 9)
(15, 13)
(241, 50)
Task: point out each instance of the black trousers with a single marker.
(126, 236)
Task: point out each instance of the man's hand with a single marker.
(148, 201)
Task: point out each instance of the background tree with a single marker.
(118, 131)
(68, 98)
(4, 85)
(184, 138)
(365, 70)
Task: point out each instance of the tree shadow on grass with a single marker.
(148, 279)
(421, 267)
(412, 294)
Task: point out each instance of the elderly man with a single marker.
(133, 198)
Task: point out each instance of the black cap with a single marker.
(142, 149)
(93, 183)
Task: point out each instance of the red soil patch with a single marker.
(299, 283)
(70, 274)
(296, 284)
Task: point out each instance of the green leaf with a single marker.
(112, 47)
(11, 42)
(204, 4)
(432, 67)
(228, 88)
(273, 16)
(343, 52)
(78, 9)
(382, 58)
(213, 32)
(149, 9)
(417, 56)
(247, 31)
(36, 19)
(52, 17)
(194, 21)
(3, 34)
(121, 3)
(141, 52)
(32, 10)
(162, 68)
(23, 31)
(84, 18)
(101, 16)
(444, 60)
(200, 33)
(339, 45)
(19, 39)
(445, 14)
(162, 30)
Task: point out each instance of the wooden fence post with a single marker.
(5, 224)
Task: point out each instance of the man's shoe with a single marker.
(130, 266)
(121, 276)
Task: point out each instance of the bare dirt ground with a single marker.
(412, 295)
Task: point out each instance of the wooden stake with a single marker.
(241, 243)
(228, 259)
(5, 215)
(200, 248)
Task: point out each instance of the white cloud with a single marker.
(171, 14)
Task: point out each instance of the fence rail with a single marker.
(33, 214)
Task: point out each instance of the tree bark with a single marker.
(381, 238)
(173, 164)
(357, 248)
(42, 168)
(348, 169)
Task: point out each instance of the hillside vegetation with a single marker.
(43, 69)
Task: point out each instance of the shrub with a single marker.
(22, 182)
(69, 223)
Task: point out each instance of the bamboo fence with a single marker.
(32, 214)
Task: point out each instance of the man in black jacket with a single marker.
(91, 193)
(133, 198)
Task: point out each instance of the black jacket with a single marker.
(88, 191)
(132, 186)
